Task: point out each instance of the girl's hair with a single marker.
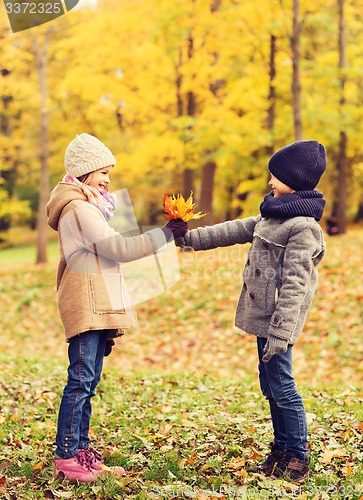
(84, 178)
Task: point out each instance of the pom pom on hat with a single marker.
(86, 154)
(299, 165)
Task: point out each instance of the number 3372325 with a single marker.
(33, 8)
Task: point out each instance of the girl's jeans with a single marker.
(85, 353)
(286, 406)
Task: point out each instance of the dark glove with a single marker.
(176, 227)
(273, 346)
(109, 344)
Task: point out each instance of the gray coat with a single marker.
(280, 275)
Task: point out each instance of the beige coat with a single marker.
(91, 290)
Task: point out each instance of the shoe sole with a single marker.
(60, 476)
(290, 480)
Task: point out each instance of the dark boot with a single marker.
(292, 468)
(268, 466)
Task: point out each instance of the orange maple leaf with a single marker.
(176, 207)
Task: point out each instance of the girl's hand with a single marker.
(109, 344)
(273, 346)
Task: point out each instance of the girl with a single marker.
(92, 297)
(280, 278)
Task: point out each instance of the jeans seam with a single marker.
(272, 401)
(81, 381)
(298, 413)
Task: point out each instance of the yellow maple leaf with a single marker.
(237, 462)
(327, 456)
(176, 207)
(38, 466)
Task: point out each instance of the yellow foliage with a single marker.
(176, 207)
(172, 85)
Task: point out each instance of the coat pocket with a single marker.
(271, 297)
(261, 296)
(107, 293)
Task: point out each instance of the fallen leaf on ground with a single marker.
(327, 456)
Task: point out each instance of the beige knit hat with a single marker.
(86, 154)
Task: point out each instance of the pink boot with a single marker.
(95, 462)
(74, 469)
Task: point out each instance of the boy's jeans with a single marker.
(286, 406)
(85, 353)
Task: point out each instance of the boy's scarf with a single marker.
(100, 198)
(300, 203)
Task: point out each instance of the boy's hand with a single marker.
(273, 346)
(177, 226)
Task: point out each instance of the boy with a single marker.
(280, 279)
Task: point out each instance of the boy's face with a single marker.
(278, 187)
(100, 179)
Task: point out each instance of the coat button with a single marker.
(244, 286)
(252, 295)
(258, 272)
(248, 262)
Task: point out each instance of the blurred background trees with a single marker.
(189, 95)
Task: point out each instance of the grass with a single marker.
(177, 436)
(26, 254)
(179, 405)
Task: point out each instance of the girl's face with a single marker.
(278, 187)
(100, 179)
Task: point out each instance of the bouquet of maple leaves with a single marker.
(176, 207)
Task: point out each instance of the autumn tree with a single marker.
(191, 94)
(40, 50)
(296, 85)
(12, 207)
(342, 151)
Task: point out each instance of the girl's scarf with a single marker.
(100, 198)
(300, 203)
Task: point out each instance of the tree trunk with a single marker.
(206, 197)
(343, 139)
(271, 94)
(188, 181)
(359, 215)
(178, 81)
(296, 87)
(215, 5)
(271, 99)
(209, 168)
(41, 59)
(188, 174)
(7, 175)
(342, 183)
(191, 111)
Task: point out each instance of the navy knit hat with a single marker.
(299, 165)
